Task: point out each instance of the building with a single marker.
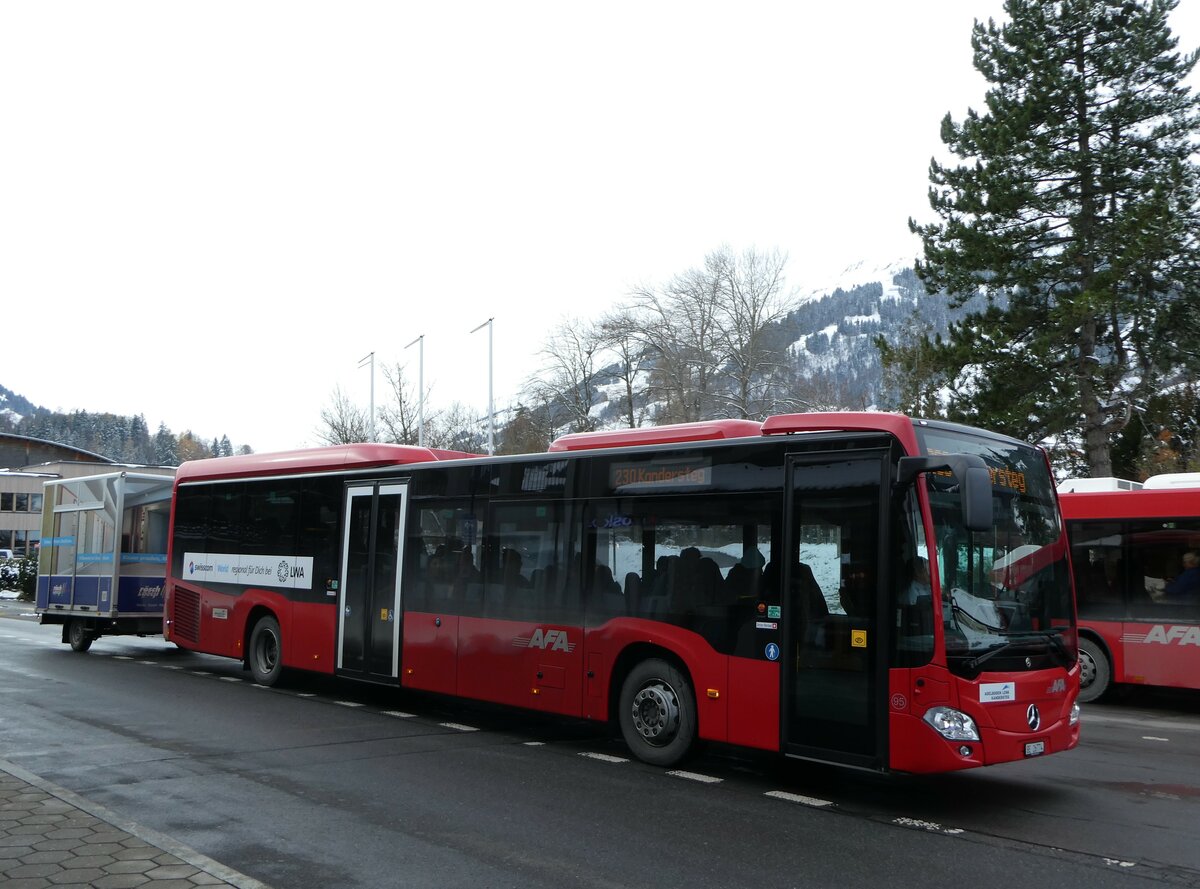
(30, 463)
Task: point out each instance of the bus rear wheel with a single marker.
(266, 652)
(1095, 672)
(657, 713)
(79, 636)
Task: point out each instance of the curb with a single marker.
(146, 834)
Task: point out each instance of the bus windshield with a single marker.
(1005, 593)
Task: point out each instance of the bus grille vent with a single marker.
(187, 614)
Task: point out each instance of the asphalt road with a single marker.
(323, 784)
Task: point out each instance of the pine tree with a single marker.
(1079, 201)
(166, 448)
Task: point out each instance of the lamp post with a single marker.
(371, 358)
(420, 389)
(491, 413)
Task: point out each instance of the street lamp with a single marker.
(371, 358)
(491, 412)
(420, 389)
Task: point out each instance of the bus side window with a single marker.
(446, 570)
(522, 581)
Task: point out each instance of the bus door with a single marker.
(369, 608)
(833, 645)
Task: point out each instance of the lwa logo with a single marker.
(287, 571)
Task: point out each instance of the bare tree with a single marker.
(754, 302)
(458, 428)
(710, 332)
(567, 383)
(400, 419)
(678, 327)
(343, 421)
(620, 332)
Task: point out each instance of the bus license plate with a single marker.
(1035, 748)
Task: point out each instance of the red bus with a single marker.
(1135, 549)
(731, 581)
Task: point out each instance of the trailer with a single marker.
(103, 555)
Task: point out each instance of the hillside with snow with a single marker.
(829, 340)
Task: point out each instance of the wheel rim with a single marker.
(656, 713)
(268, 651)
(1087, 669)
(77, 633)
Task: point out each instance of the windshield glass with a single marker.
(1006, 592)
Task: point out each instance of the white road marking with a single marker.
(458, 727)
(931, 826)
(399, 715)
(1152, 738)
(797, 798)
(693, 776)
(604, 757)
(348, 703)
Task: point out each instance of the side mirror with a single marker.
(974, 480)
(977, 498)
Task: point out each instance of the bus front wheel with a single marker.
(657, 713)
(266, 652)
(1095, 672)
(78, 636)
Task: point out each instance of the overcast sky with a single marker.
(210, 212)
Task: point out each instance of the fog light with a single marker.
(964, 750)
(951, 724)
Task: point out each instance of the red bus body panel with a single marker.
(1003, 726)
(1149, 651)
(429, 653)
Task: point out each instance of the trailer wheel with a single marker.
(657, 712)
(266, 652)
(79, 636)
(1095, 672)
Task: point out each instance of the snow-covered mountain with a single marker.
(829, 338)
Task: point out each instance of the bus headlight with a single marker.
(951, 724)
(1075, 713)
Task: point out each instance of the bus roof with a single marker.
(1173, 480)
(715, 430)
(711, 430)
(1129, 504)
(1081, 485)
(330, 459)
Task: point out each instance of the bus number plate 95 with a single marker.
(1035, 748)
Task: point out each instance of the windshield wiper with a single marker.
(1053, 637)
(973, 663)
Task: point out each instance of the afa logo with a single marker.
(555, 640)
(1167, 635)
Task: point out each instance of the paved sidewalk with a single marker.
(51, 837)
